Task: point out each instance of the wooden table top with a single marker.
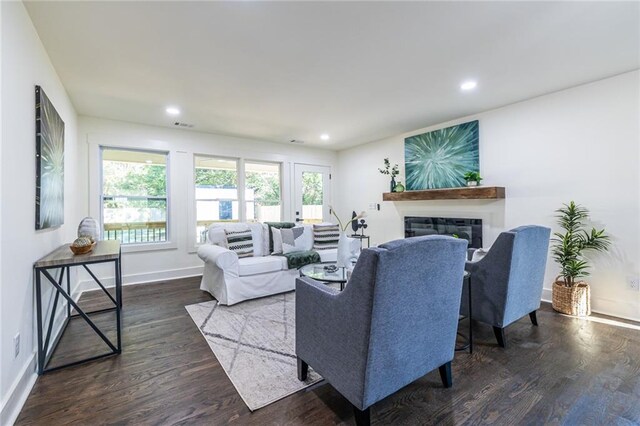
(103, 251)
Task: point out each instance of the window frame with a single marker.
(170, 242)
(193, 242)
(244, 176)
(240, 200)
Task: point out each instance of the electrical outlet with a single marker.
(634, 283)
(16, 345)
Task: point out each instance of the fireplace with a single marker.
(469, 229)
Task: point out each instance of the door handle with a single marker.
(298, 219)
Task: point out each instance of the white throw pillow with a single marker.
(479, 254)
(257, 234)
(277, 240)
(308, 237)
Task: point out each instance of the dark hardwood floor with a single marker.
(566, 371)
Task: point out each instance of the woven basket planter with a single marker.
(575, 300)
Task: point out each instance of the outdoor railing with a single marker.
(137, 232)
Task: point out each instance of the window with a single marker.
(216, 192)
(134, 196)
(262, 192)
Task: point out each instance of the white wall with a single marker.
(179, 260)
(2, 341)
(579, 144)
(24, 65)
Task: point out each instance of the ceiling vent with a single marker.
(183, 125)
(299, 142)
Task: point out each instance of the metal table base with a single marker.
(46, 348)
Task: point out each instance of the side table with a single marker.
(361, 238)
(62, 258)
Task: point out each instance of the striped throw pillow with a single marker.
(325, 237)
(240, 241)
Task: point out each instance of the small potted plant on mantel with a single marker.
(472, 178)
(570, 295)
(390, 171)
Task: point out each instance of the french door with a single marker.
(312, 193)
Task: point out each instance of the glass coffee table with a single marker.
(326, 272)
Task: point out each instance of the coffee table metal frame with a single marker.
(326, 279)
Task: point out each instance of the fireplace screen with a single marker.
(469, 229)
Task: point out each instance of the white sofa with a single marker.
(231, 279)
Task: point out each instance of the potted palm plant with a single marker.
(570, 295)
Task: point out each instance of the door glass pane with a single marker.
(312, 196)
(262, 192)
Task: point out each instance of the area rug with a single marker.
(254, 341)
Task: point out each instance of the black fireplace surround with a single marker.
(469, 229)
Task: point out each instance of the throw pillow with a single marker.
(325, 237)
(292, 240)
(240, 241)
(276, 238)
(278, 225)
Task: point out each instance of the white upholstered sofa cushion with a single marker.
(261, 265)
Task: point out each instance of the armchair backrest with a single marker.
(507, 282)
(530, 247)
(413, 299)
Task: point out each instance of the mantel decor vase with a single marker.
(393, 184)
(348, 250)
(571, 300)
(399, 187)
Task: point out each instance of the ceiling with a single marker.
(359, 71)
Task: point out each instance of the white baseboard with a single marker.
(144, 278)
(614, 308)
(21, 388)
(19, 392)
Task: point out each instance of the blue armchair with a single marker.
(395, 321)
(506, 284)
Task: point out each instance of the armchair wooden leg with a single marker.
(534, 318)
(303, 369)
(499, 332)
(445, 375)
(363, 417)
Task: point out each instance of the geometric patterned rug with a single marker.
(254, 341)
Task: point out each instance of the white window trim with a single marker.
(192, 213)
(280, 165)
(95, 188)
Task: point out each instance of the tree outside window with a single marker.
(134, 196)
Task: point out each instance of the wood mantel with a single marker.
(466, 193)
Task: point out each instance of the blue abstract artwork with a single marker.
(49, 163)
(439, 159)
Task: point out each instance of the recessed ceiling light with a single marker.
(172, 111)
(324, 137)
(468, 85)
